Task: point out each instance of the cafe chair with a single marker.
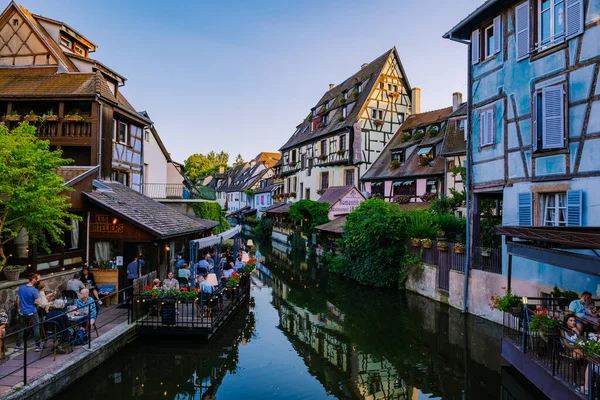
(53, 334)
(183, 282)
(70, 294)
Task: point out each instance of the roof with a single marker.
(489, 9)
(269, 188)
(334, 226)
(151, 216)
(282, 208)
(333, 194)
(454, 141)
(365, 76)
(73, 32)
(73, 174)
(382, 169)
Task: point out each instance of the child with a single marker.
(590, 313)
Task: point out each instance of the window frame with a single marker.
(323, 147)
(343, 142)
(486, 48)
(544, 207)
(349, 173)
(118, 134)
(483, 134)
(538, 47)
(401, 156)
(62, 38)
(539, 125)
(77, 48)
(321, 180)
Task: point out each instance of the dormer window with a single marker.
(345, 94)
(399, 155)
(428, 152)
(79, 51)
(324, 119)
(359, 87)
(66, 42)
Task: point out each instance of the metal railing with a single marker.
(450, 259)
(178, 191)
(204, 313)
(29, 361)
(563, 360)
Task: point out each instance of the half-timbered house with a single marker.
(347, 128)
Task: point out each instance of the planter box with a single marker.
(51, 118)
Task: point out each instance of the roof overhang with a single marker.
(491, 8)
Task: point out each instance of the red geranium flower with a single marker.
(154, 294)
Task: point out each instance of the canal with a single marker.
(309, 335)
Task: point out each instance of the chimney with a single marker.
(221, 169)
(364, 65)
(331, 86)
(456, 100)
(416, 101)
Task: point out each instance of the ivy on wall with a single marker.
(213, 212)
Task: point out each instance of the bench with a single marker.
(107, 278)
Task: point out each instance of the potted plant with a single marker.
(12, 272)
(74, 117)
(433, 131)
(341, 118)
(50, 116)
(395, 164)
(405, 137)
(13, 116)
(401, 199)
(342, 99)
(310, 116)
(321, 125)
(414, 242)
(293, 195)
(419, 134)
(543, 324)
(31, 117)
(186, 295)
(591, 347)
(378, 123)
(442, 246)
(323, 109)
(427, 197)
(341, 152)
(393, 94)
(459, 248)
(355, 93)
(486, 251)
(426, 243)
(510, 303)
(292, 164)
(320, 191)
(322, 157)
(423, 160)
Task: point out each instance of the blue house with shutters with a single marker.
(534, 125)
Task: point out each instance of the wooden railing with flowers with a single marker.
(82, 127)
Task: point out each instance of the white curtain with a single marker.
(22, 241)
(74, 234)
(102, 251)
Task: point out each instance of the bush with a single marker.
(310, 213)
(420, 224)
(455, 229)
(411, 265)
(263, 229)
(213, 212)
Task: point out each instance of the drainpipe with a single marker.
(100, 133)
(469, 172)
(87, 240)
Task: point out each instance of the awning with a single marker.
(216, 239)
(398, 183)
(408, 183)
(376, 183)
(431, 182)
(424, 151)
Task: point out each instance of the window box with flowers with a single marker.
(378, 123)
(543, 324)
(426, 243)
(341, 118)
(13, 116)
(427, 197)
(321, 125)
(50, 116)
(292, 195)
(341, 152)
(590, 347)
(322, 157)
(459, 248)
(355, 93)
(393, 94)
(342, 100)
(424, 160)
(395, 164)
(74, 117)
(442, 246)
(323, 110)
(510, 303)
(433, 131)
(292, 164)
(405, 137)
(31, 117)
(414, 242)
(401, 199)
(419, 134)
(310, 116)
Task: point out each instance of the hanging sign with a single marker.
(106, 224)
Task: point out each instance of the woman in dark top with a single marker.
(87, 278)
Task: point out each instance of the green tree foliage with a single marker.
(30, 191)
(238, 160)
(420, 224)
(198, 166)
(264, 229)
(213, 212)
(454, 228)
(310, 213)
(374, 244)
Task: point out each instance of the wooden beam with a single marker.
(572, 261)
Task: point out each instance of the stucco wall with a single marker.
(156, 172)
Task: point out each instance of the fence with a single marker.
(551, 349)
(451, 260)
(178, 191)
(30, 362)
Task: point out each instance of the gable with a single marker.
(20, 45)
(347, 203)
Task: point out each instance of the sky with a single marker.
(239, 76)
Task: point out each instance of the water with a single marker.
(308, 335)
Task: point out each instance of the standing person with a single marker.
(3, 323)
(26, 307)
(133, 272)
(89, 281)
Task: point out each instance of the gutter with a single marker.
(100, 135)
(469, 179)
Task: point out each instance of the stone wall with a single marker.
(8, 293)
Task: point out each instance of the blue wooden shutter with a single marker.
(574, 207)
(475, 47)
(525, 205)
(553, 117)
(522, 28)
(574, 18)
(497, 34)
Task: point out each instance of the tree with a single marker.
(238, 160)
(198, 166)
(30, 191)
(310, 213)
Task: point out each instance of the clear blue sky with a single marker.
(240, 75)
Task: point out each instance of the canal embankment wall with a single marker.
(80, 363)
(482, 285)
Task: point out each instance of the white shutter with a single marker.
(475, 47)
(482, 126)
(497, 34)
(522, 28)
(490, 127)
(574, 18)
(553, 121)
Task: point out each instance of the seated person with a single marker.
(43, 301)
(180, 261)
(88, 280)
(170, 282)
(578, 306)
(57, 314)
(591, 309)
(239, 264)
(204, 265)
(202, 285)
(156, 284)
(3, 323)
(74, 284)
(571, 333)
(86, 304)
(228, 270)
(184, 272)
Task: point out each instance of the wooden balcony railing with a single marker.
(64, 128)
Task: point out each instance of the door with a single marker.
(307, 197)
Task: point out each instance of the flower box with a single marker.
(74, 118)
(31, 118)
(459, 248)
(50, 118)
(341, 152)
(13, 118)
(415, 242)
(426, 243)
(442, 246)
(322, 157)
(378, 123)
(423, 161)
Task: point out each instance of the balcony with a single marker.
(339, 157)
(178, 192)
(60, 129)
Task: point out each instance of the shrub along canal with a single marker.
(310, 335)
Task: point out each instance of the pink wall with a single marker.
(387, 188)
(421, 186)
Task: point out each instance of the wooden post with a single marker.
(509, 271)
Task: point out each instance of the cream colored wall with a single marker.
(173, 174)
(18, 46)
(156, 160)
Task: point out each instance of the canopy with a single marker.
(216, 239)
(431, 182)
(424, 151)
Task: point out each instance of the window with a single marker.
(399, 155)
(345, 94)
(121, 177)
(404, 188)
(381, 85)
(301, 193)
(324, 147)
(389, 87)
(396, 88)
(324, 119)
(349, 177)
(147, 135)
(380, 114)
(377, 189)
(79, 51)
(344, 112)
(343, 142)
(431, 187)
(359, 87)
(551, 22)
(374, 113)
(400, 118)
(554, 209)
(122, 134)
(295, 184)
(15, 22)
(486, 128)
(324, 180)
(65, 42)
(294, 156)
(489, 41)
(550, 119)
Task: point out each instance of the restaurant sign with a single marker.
(346, 204)
(106, 224)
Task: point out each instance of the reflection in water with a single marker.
(313, 336)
